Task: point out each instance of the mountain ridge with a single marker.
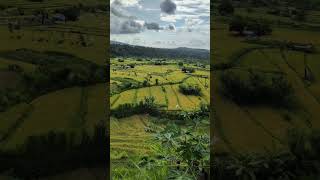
(127, 50)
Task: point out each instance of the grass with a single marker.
(8, 118)
(167, 75)
(4, 63)
(128, 135)
(96, 106)
(9, 79)
(55, 111)
(159, 95)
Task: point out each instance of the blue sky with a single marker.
(161, 23)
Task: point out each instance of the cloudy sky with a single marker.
(161, 23)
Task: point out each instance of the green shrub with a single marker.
(126, 110)
(257, 88)
(188, 89)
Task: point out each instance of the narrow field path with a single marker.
(177, 97)
(83, 110)
(115, 100)
(259, 124)
(218, 130)
(135, 97)
(21, 119)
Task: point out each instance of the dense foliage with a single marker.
(126, 110)
(225, 8)
(187, 149)
(258, 27)
(123, 50)
(63, 152)
(189, 89)
(257, 88)
(51, 68)
(301, 160)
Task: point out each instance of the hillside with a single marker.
(126, 50)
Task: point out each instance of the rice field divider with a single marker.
(218, 127)
(21, 119)
(115, 100)
(259, 124)
(284, 57)
(152, 85)
(83, 110)
(175, 93)
(135, 97)
(165, 96)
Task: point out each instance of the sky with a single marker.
(161, 23)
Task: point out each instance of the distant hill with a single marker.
(126, 50)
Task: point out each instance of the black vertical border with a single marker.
(212, 113)
(107, 97)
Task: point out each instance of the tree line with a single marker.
(53, 71)
(57, 152)
(252, 88)
(299, 161)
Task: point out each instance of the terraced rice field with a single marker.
(244, 129)
(129, 138)
(65, 110)
(164, 83)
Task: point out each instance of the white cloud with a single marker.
(126, 3)
(188, 26)
(168, 18)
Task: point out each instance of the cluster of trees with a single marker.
(225, 8)
(189, 89)
(57, 152)
(47, 78)
(159, 63)
(188, 70)
(53, 72)
(241, 24)
(257, 88)
(123, 50)
(147, 105)
(70, 13)
(301, 160)
(296, 14)
(10, 97)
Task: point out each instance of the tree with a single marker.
(145, 83)
(10, 27)
(71, 14)
(258, 27)
(237, 24)
(226, 8)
